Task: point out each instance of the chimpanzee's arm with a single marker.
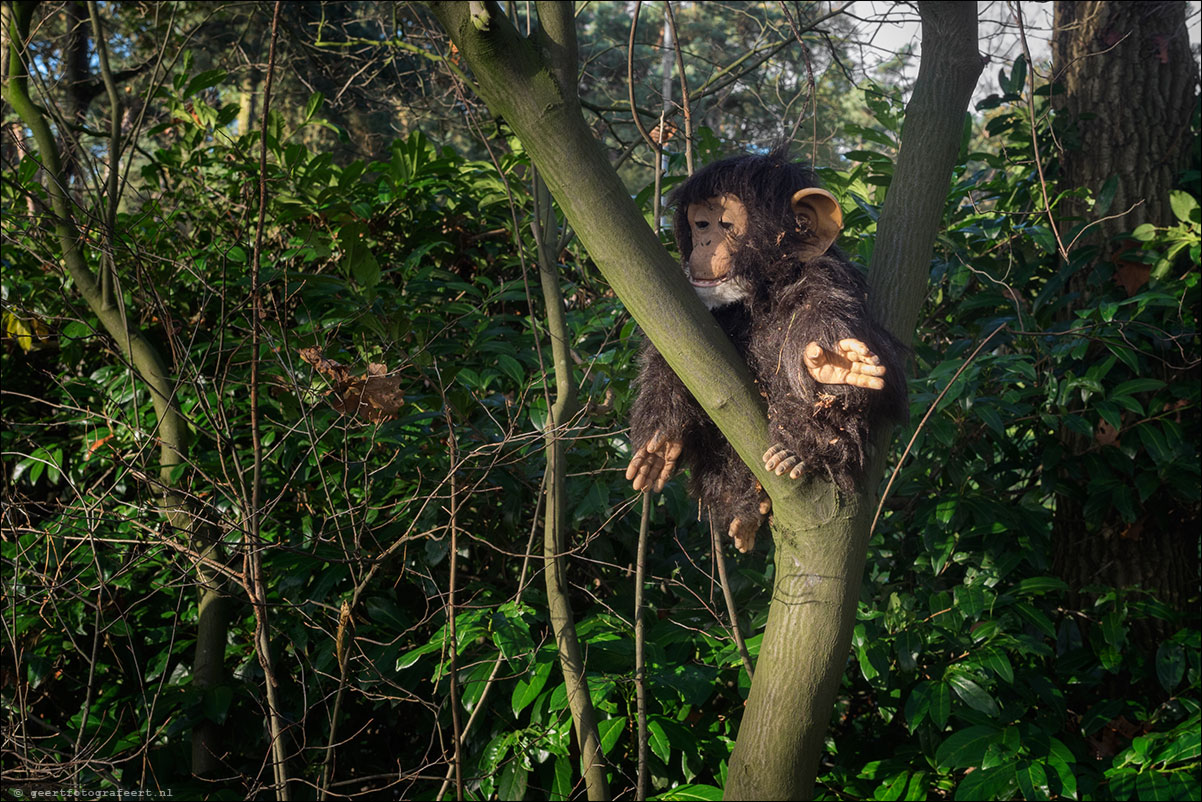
(829, 372)
(663, 416)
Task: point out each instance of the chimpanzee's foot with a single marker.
(742, 530)
(781, 460)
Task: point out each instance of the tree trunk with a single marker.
(76, 78)
(1128, 78)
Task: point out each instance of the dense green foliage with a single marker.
(976, 672)
(971, 653)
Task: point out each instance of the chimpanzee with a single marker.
(756, 237)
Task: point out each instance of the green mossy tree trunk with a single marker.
(821, 536)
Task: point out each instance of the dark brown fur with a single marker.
(790, 304)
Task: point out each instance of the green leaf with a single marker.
(1185, 748)
(907, 647)
(970, 600)
(1037, 585)
(1183, 204)
(561, 786)
(966, 748)
(1137, 386)
(996, 783)
(384, 611)
(413, 655)
(996, 661)
(918, 705)
(893, 787)
(941, 704)
(873, 659)
(1061, 759)
(609, 731)
(1114, 629)
(512, 785)
(527, 689)
(512, 368)
(473, 684)
(1170, 665)
(201, 82)
(1032, 781)
(1110, 413)
(991, 418)
(1154, 441)
(919, 788)
(973, 694)
(657, 739)
(314, 103)
(1035, 618)
(510, 632)
(494, 753)
(364, 267)
(1122, 783)
(1018, 76)
(1155, 787)
(1145, 232)
(1043, 237)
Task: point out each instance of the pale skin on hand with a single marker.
(851, 363)
(654, 463)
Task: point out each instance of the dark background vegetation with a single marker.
(1028, 625)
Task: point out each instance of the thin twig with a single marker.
(731, 610)
(930, 411)
(456, 723)
(1043, 183)
(640, 662)
(813, 93)
(684, 91)
(256, 586)
(496, 667)
(634, 112)
(341, 651)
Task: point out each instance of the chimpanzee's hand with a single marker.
(653, 464)
(850, 363)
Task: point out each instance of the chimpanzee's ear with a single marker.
(819, 212)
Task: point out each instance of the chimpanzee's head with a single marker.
(746, 222)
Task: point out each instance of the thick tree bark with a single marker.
(77, 79)
(821, 536)
(1128, 78)
(1129, 90)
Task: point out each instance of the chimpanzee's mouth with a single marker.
(718, 292)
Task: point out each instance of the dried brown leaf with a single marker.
(375, 396)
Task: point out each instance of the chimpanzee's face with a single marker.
(716, 226)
